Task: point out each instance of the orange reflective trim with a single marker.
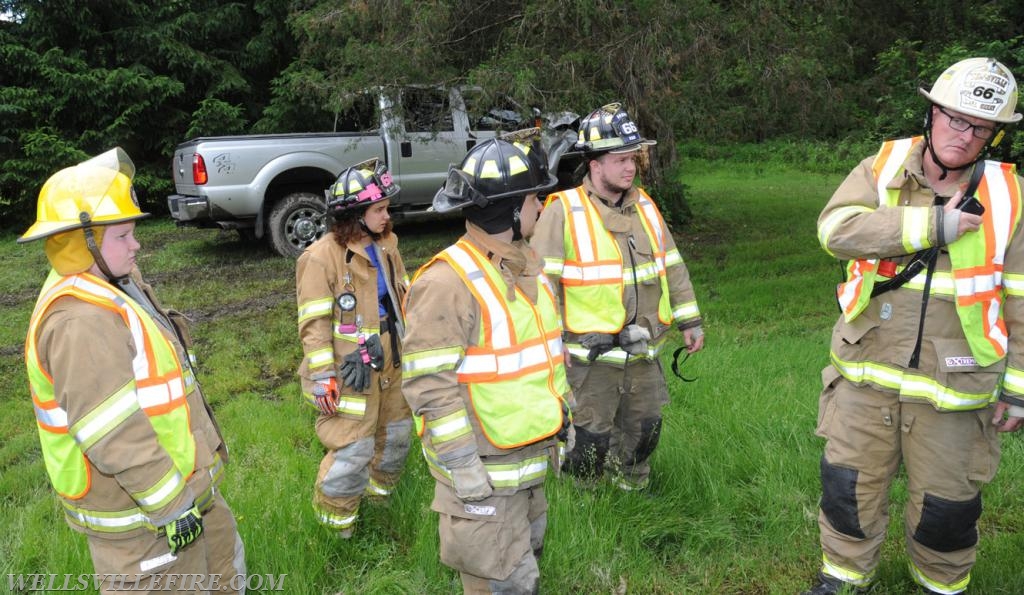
(88, 481)
(48, 405)
(850, 291)
(593, 264)
(481, 377)
(1009, 174)
(485, 322)
(881, 159)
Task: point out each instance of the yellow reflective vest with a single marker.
(515, 374)
(593, 276)
(976, 258)
(159, 389)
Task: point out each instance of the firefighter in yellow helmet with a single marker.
(130, 445)
(483, 369)
(927, 359)
(623, 286)
(350, 285)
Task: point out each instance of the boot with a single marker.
(830, 585)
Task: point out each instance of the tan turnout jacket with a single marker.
(623, 222)
(442, 313)
(886, 331)
(88, 351)
(325, 271)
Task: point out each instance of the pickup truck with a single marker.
(271, 186)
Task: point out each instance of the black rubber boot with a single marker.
(830, 585)
(586, 460)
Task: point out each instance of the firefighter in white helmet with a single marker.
(623, 286)
(350, 285)
(484, 370)
(130, 444)
(927, 364)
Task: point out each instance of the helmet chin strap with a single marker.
(373, 235)
(94, 249)
(517, 222)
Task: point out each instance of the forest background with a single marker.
(79, 76)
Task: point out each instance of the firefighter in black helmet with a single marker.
(483, 369)
(623, 287)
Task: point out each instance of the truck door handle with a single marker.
(406, 149)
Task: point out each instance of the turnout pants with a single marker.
(146, 560)
(617, 419)
(365, 451)
(495, 543)
(947, 457)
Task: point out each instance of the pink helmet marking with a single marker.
(371, 192)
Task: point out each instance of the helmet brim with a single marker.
(1016, 117)
(445, 202)
(45, 229)
(586, 149)
(633, 147)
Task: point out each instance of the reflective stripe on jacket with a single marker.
(976, 258)
(515, 373)
(325, 271)
(594, 274)
(159, 389)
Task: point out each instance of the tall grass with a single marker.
(732, 503)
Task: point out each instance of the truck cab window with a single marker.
(489, 112)
(427, 110)
(358, 116)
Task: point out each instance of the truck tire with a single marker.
(295, 222)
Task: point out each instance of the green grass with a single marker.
(732, 504)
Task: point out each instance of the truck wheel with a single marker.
(296, 221)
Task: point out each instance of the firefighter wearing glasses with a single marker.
(349, 286)
(925, 366)
(484, 371)
(129, 443)
(623, 286)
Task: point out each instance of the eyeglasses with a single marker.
(961, 125)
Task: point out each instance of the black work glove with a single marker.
(184, 529)
(357, 366)
(597, 343)
(355, 372)
(375, 351)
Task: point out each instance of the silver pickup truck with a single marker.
(272, 185)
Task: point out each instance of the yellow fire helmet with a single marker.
(95, 192)
(979, 87)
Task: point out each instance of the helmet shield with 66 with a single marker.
(610, 129)
(978, 87)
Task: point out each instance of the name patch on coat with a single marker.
(147, 565)
(961, 361)
(481, 510)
